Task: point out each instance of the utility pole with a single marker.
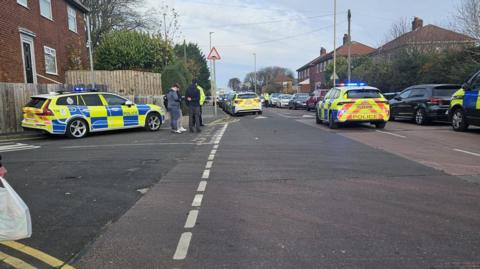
(92, 72)
(185, 51)
(211, 66)
(334, 43)
(255, 69)
(349, 46)
(165, 34)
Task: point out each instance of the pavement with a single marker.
(270, 191)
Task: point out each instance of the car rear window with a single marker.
(444, 91)
(354, 94)
(36, 102)
(247, 96)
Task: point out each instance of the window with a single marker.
(36, 102)
(363, 94)
(113, 100)
(23, 2)
(72, 19)
(92, 100)
(50, 60)
(46, 9)
(67, 101)
(418, 93)
(475, 84)
(405, 94)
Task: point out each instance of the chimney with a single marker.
(345, 39)
(323, 51)
(417, 23)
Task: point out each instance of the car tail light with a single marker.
(435, 101)
(46, 110)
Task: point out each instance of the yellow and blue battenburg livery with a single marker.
(465, 105)
(77, 114)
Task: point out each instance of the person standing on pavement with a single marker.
(202, 101)
(266, 98)
(193, 103)
(180, 119)
(174, 107)
(3, 171)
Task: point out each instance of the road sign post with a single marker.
(214, 56)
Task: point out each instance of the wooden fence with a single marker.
(13, 97)
(123, 82)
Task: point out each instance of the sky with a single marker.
(290, 33)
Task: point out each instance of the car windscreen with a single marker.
(444, 91)
(36, 102)
(286, 97)
(302, 97)
(247, 96)
(363, 93)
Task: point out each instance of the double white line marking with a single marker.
(184, 242)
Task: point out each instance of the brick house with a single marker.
(429, 38)
(311, 76)
(41, 39)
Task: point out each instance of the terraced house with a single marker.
(41, 39)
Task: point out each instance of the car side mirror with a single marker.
(466, 86)
(398, 98)
(129, 103)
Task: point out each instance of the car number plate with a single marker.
(365, 117)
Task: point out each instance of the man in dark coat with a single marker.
(193, 102)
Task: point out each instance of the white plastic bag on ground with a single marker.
(15, 221)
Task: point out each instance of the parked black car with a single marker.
(423, 103)
(299, 100)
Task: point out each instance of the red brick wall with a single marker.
(53, 34)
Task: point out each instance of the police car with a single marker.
(465, 105)
(245, 102)
(354, 102)
(76, 114)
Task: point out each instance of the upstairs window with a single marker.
(46, 9)
(50, 61)
(72, 19)
(23, 2)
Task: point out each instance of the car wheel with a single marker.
(77, 128)
(289, 107)
(421, 117)
(153, 122)
(331, 123)
(380, 125)
(294, 107)
(317, 118)
(307, 109)
(459, 122)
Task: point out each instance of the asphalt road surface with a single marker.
(270, 191)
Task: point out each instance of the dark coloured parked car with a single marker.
(298, 101)
(390, 95)
(423, 103)
(314, 98)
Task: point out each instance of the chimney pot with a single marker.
(323, 51)
(417, 23)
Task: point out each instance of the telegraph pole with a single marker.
(185, 51)
(349, 46)
(334, 43)
(255, 69)
(211, 83)
(92, 72)
(165, 34)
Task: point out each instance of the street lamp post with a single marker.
(255, 69)
(334, 42)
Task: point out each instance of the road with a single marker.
(270, 191)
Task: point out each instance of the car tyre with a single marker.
(77, 128)
(459, 121)
(331, 123)
(153, 122)
(380, 125)
(421, 117)
(307, 109)
(317, 118)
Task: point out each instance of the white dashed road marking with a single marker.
(211, 157)
(209, 165)
(206, 174)
(197, 201)
(202, 186)
(182, 247)
(192, 219)
(467, 152)
(214, 151)
(16, 147)
(392, 134)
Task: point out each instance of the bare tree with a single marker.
(398, 28)
(467, 18)
(107, 15)
(234, 84)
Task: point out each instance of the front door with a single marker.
(471, 100)
(28, 59)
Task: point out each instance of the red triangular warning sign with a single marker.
(214, 55)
